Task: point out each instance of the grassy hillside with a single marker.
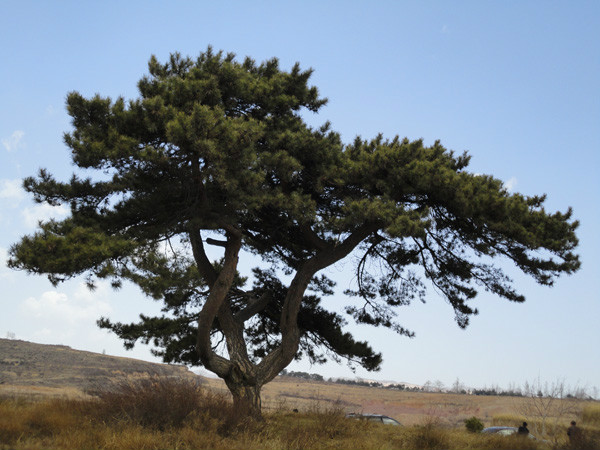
(47, 369)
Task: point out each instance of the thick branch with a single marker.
(279, 358)
(314, 239)
(206, 269)
(215, 304)
(241, 369)
(255, 305)
(212, 241)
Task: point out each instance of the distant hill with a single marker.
(29, 364)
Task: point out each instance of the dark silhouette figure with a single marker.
(523, 430)
(574, 434)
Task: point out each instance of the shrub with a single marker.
(430, 435)
(159, 403)
(474, 425)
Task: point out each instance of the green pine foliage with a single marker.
(473, 424)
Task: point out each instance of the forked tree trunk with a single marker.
(246, 400)
(243, 378)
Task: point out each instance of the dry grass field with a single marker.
(180, 414)
(89, 401)
(409, 408)
(414, 408)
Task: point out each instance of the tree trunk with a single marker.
(246, 399)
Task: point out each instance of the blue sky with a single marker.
(516, 84)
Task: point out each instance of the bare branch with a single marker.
(216, 242)
(255, 305)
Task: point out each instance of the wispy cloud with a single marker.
(12, 190)
(68, 318)
(59, 309)
(511, 184)
(43, 212)
(14, 142)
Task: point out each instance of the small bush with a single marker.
(159, 403)
(329, 421)
(429, 436)
(474, 425)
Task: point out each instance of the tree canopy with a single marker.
(216, 152)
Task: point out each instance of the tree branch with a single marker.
(279, 358)
(215, 304)
(314, 239)
(215, 242)
(206, 269)
(255, 305)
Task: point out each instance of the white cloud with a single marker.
(511, 184)
(67, 318)
(12, 190)
(58, 310)
(14, 141)
(12, 194)
(85, 295)
(47, 304)
(43, 212)
(43, 334)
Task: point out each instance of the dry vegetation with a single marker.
(410, 408)
(182, 414)
(55, 397)
(52, 368)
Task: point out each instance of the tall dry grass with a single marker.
(591, 414)
(160, 414)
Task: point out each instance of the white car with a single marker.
(505, 431)
(377, 418)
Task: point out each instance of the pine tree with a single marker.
(216, 152)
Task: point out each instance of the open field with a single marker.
(284, 394)
(410, 408)
(169, 413)
(33, 417)
(45, 402)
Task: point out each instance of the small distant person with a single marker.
(574, 433)
(523, 430)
